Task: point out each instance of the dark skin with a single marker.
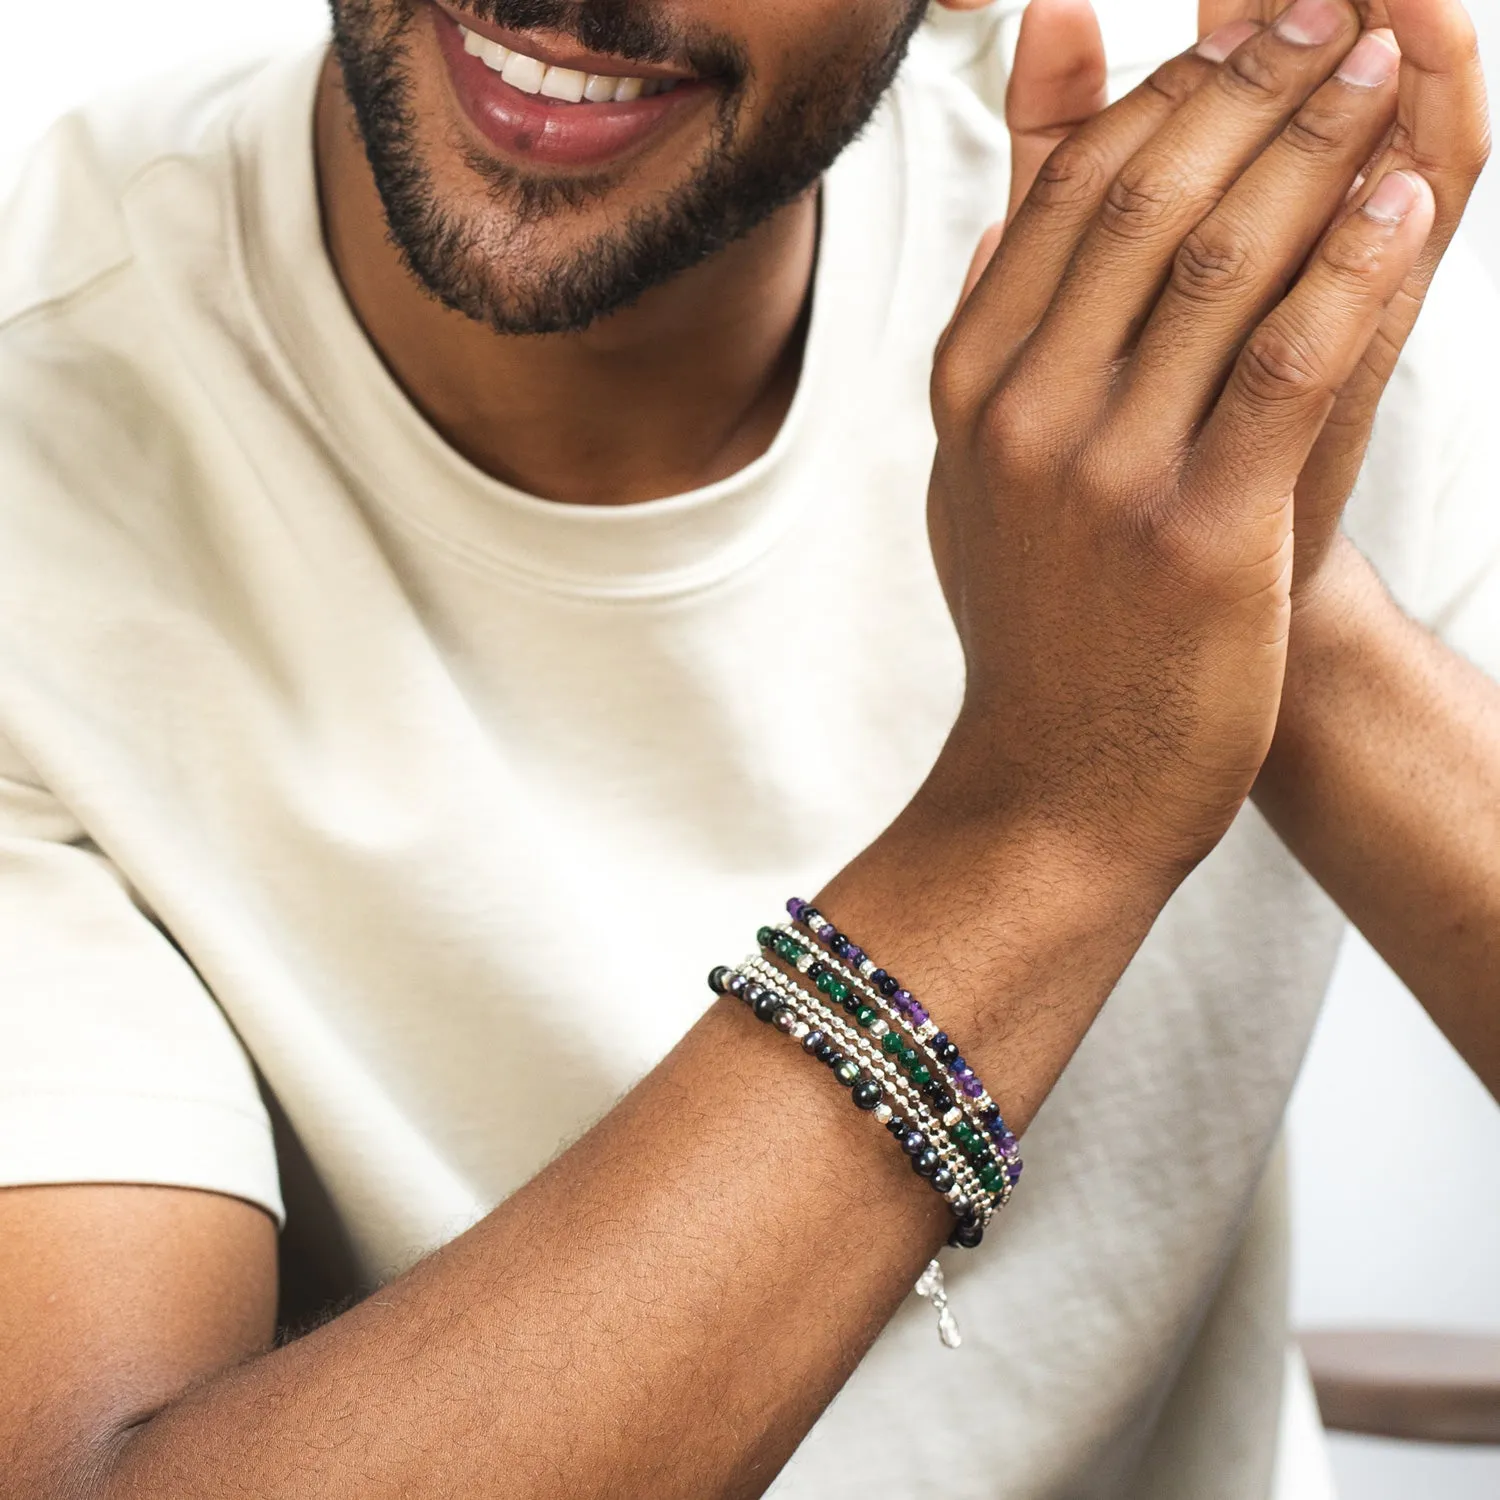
(689, 1223)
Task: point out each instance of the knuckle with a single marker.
(1214, 260)
(1353, 257)
(1277, 367)
(1176, 81)
(1071, 175)
(1464, 159)
(1316, 130)
(952, 383)
(1251, 74)
(1140, 199)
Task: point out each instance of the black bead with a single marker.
(888, 986)
(826, 1053)
(815, 968)
(942, 1100)
(913, 1142)
(967, 1236)
(852, 1002)
(932, 1088)
(879, 977)
(811, 917)
(718, 979)
(897, 1126)
(868, 1094)
(812, 1041)
(942, 1179)
(834, 1058)
(940, 1041)
(766, 1005)
(946, 1053)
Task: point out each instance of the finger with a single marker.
(1021, 277)
(1058, 81)
(1176, 180)
(1291, 370)
(1442, 132)
(1238, 263)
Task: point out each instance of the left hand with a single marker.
(1441, 131)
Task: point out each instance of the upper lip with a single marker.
(558, 54)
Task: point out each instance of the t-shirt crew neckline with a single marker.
(652, 548)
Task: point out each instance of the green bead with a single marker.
(991, 1179)
(789, 950)
(892, 1043)
(838, 991)
(826, 983)
(909, 1057)
(921, 1074)
(865, 1015)
(973, 1147)
(766, 938)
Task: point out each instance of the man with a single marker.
(465, 566)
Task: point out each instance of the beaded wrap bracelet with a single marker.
(829, 1037)
(886, 1050)
(946, 1050)
(920, 1054)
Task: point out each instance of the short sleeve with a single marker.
(116, 1065)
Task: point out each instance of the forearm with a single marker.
(667, 1309)
(1385, 782)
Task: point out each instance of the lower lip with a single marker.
(548, 132)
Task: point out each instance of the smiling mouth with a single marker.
(565, 85)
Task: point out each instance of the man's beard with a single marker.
(463, 261)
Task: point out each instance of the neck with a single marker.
(682, 389)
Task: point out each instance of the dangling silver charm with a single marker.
(930, 1285)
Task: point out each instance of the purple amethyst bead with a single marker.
(855, 955)
(960, 1069)
(918, 1016)
(1015, 1169)
(973, 1087)
(794, 908)
(827, 932)
(902, 997)
(1008, 1143)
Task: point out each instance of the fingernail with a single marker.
(1373, 61)
(1217, 45)
(1393, 199)
(1310, 23)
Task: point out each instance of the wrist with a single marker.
(1332, 617)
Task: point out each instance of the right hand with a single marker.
(1124, 403)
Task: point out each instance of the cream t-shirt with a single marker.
(339, 782)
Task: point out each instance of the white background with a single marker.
(1396, 1148)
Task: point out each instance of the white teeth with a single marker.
(524, 73)
(564, 83)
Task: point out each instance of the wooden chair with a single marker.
(1425, 1387)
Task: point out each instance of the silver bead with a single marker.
(800, 1030)
(953, 1116)
(884, 1114)
(879, 1028)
